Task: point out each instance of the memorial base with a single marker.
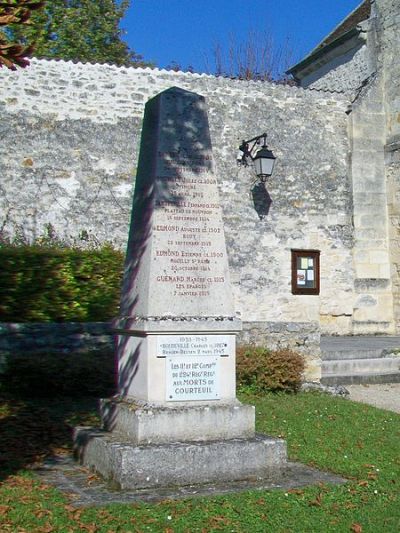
(128, 466)
(142, 423)
(144, 446)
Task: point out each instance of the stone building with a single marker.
(360, 59)
(70, 137)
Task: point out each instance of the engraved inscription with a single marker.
(192, 378)
(188, 232)
(188, 345)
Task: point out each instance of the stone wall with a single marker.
(373, 307)
(72, 135)
(52, 338)
(344, 72)
(388, 31)
(373, 205)
(33, 339)
(393, 180)
(69, 158)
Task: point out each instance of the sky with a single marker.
(186, 31)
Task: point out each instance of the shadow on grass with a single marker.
(31, 430)
(42, 397)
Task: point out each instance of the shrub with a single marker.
(54, 284)
(259, 369)
(50, 375)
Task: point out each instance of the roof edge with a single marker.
(321, 47)
(317, 53)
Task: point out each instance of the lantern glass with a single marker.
(264, 161)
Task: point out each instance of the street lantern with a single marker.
(257, 150)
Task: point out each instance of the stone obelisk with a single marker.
(177, 299)
(177, 420)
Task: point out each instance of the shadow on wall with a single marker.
(261, 199)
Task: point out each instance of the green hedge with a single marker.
(48, 284)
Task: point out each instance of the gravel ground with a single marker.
(384, 396)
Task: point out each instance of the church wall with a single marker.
(373, 307)
(388, 27)
(388, 31)
(393, 180)
(345, 72)
(370, 74)
(375, 178)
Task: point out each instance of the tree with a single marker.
(256, 58)
(80, 30)
(15, 12)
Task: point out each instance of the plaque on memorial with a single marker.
(192, 378)
(188, 345)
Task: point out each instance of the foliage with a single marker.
(177, 67)
(50, 284)
(16, 12)
(357, 441)
(51, 375)
(259, 369)
(80, 30)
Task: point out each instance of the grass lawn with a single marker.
(357, 441)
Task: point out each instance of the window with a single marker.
(305, 271)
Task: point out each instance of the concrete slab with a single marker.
(85, 490)
(385, 396)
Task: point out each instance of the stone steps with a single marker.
(361, 378)
(353, 354)
(366, 359)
